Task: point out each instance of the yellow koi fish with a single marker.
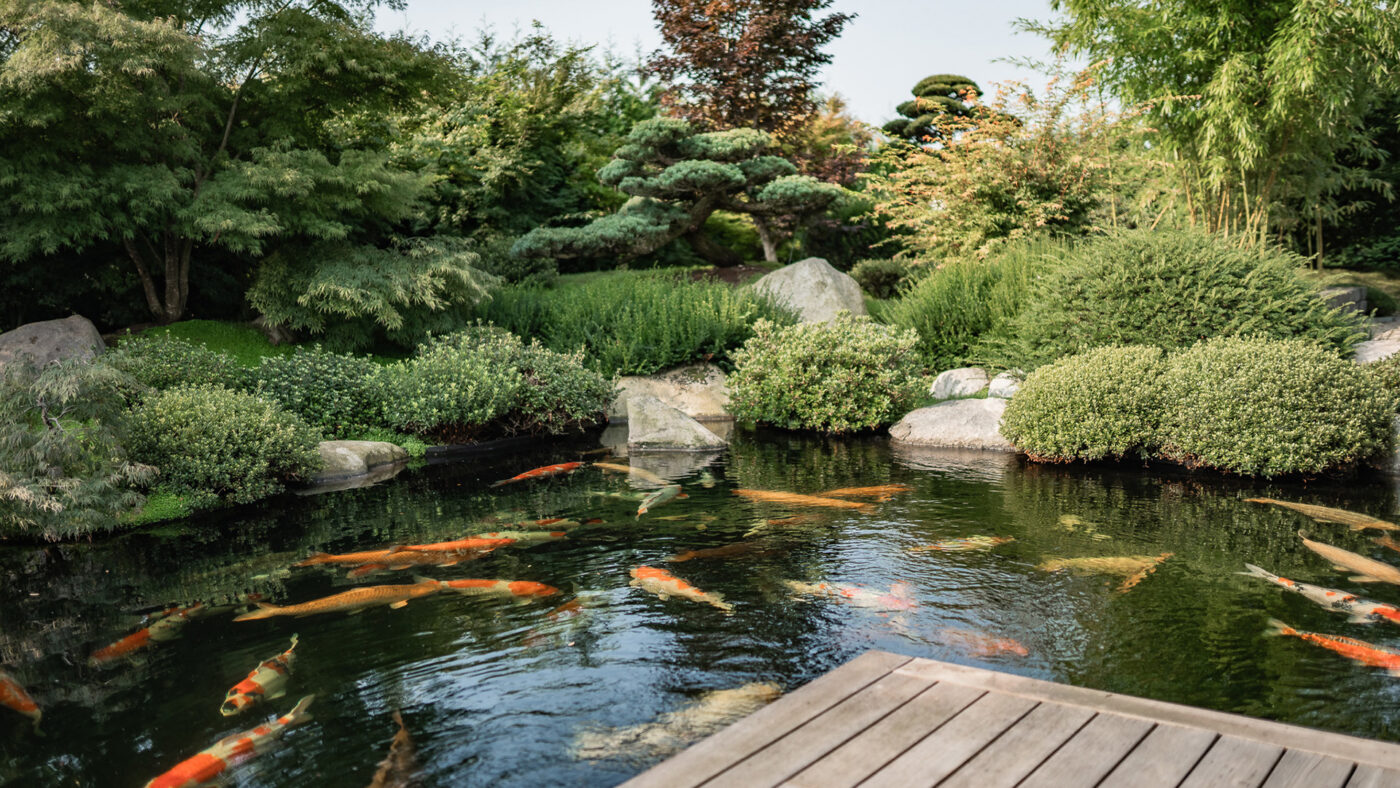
(880, 492)
(1132, 567)
(1326, 514)
(666, 585)
(268, 681)
(352, 601)
(641, 473)
(794, 499)
(964, 544)
(1368, 570)
(231, 750)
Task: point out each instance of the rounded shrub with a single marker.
(845, 375)
(454, 386)
(1268, 407)
(1106, 403)
(211, 442)
(557, 393)
(881, 278)
(330, 391)
(1170, 289)
(161, 361)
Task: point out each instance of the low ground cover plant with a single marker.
(846, 375)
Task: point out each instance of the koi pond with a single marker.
(1119, 579)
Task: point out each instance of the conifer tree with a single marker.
(936, 99)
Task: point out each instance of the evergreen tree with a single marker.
(936, 99)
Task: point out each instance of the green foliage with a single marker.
(1376, 254)
(161, 361)
(1169, 289)
(1267, 408)
(1106, 403)
(1382, 304)
(936, 100)
(412, 444)
(954, 307)
(846, 375)
(1386, 374)
(330, 391)
(557, 393)
(160, 506)
(63, 472)
(213, 443)
(634, 323)
(881, 278)
(246, 344)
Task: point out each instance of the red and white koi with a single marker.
(980, 644)
(13, 696)
(268, 681)
(1355, 650)
(899, 596)
(1361, 611)
(520, 589)
(545, 472)
(666, 585)
(166, 627)
(232, 750)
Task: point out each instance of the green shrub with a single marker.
(1268, 407)
(1096, 405)
(1382, 303)
(330, 391)
(211, 442)
(412, 444)
(634, 323)
(1169, 289)
(881, 278)
(1386, 373)
(954, 307)
(557, 393)
(161, 361)
(846, 375)
(1376, 254)
(454, 386)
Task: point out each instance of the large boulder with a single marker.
(1005, 385)
(342, 460)
(51, 340)
(955, 424)
(652, 425)
(1379, 347)
(962, 382)
(700, 391)
(1351, 298)
(813, 289)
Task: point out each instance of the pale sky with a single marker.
(881, 54)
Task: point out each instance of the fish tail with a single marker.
(294, 642)
(1255, 571)
(1277, 627)
(299, 713)
(264, 611)
(313, 559)
(397, 717)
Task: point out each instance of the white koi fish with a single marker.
(1361, 611)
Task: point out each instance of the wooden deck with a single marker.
(887, 720)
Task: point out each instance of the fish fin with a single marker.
(1340, 568)
(274, 696)
(398, 604)
(363, 570)
(1255, 571)
(396, 548)
(1360, 618)
(350, 612)
(663, 597)
(1277, 627)
(682, 495)
(313, 559)
(294, 642)
(1365, 579)
(635, 583)
(299, 713)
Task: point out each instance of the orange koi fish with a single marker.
(484, 544)
(1326, 514)
(775, 496)
(1387, 542)
(542, 473)
(1137, 577)
(352, 601)
(1362, 611)
(405, 559)
(726, 551)
(231, 750)
(666, 585)
(641, 473)
(1355, 650)
(13, 696)
(397, 768)
(166, 627)
(513, 588)
(965, 544)
(362, 557)
(880, 492)
(268, 681)
(980, 644)
(898, 598)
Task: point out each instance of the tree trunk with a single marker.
(715, 254)
(173, 262)
(767, 237)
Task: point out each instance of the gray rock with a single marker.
(51, 340)
(1376, 350)
(956, 424)
(700, 391)
(962, 382)
(1005, 385)
(1349, 298)
(348, 459)
(813, 289)
(652, 425)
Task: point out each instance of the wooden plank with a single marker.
(941, 753)
(1368, 751)
(1298, 769)
(1017, 752)
(751, 734)
(1373, 777)
(1234, 762)
(1163, 758)
(882, 742)
(1092, 753)
(823, 733)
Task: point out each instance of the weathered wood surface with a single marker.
(887, 720)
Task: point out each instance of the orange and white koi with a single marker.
(231, 750)
(964, 544)
(666, 585)
(1368, 570)
(542, 473)
(1326, 514)
(1355, 650)
(795, 499)
(352, 601)
(1361, 611)
(899, 596)
(668, 493)
(268, 681)
(167, 626)
(980, 644)
(13, 696)
(520, 589)
(524, 537)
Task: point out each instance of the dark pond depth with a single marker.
(497, 692)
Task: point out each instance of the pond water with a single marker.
(496, 692)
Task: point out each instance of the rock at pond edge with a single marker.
(652, 425)
(342, 460)
(700, 391)
(961, 382)
(52, 340)
(955, 424)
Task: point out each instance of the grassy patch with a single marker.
(243, 342)
(160, 505)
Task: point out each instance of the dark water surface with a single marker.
(494, 692)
